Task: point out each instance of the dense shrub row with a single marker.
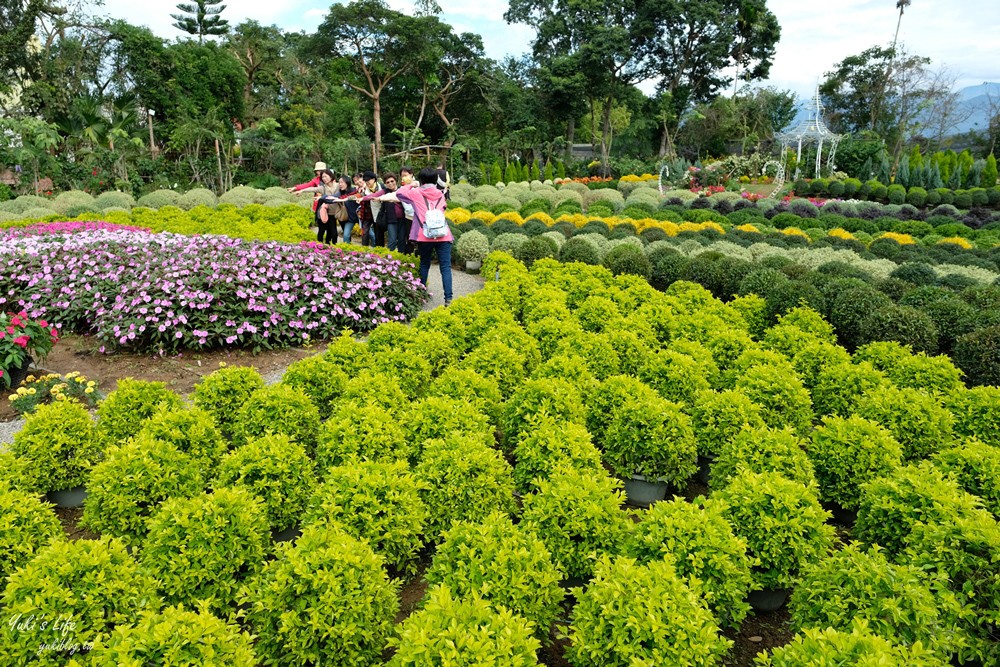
(539, 383)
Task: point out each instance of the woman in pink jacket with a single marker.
(423, 196)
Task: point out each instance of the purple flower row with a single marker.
(165, 292)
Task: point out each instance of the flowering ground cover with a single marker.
(142, 291)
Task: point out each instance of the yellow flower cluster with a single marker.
(485, 216)
(53, 387)
(458, 215)
(795, 231)
(544, 217)
(957, 240)
(901, 239)
(842, 234)
(748, 228)
(633, 178)
(513, 216)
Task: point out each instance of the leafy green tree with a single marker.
(258, 50)
(989, 176)
(201, 18)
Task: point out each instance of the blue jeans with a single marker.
(348, 227)
(426, 251)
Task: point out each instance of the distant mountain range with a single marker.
(973, 100)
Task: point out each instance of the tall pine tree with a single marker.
(201, 18)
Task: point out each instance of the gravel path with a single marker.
(462, 284)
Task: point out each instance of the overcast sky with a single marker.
(963, 35)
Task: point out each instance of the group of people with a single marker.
(391, 213)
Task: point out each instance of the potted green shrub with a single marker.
(976, 468)
(472, 248)
(716, 418)
(462, 477)
(276, 470)
(59, 447)
(650, 445)
(278, 409)
(318, 378)
(437, 417)
(358, 430)
(784, 528)
(551, 396)
(503, 564)
(899, 602)
(547, 444)
(634, 614)
(325, 599)
(124, 412)
(452, 630)
(578, 515)
(175, 637)
(375, 501)
(127, 487)
(73, 592)
(705, 552)
(846, 453)
(763, 450)
(29, 525)
(204, 548)
(918, 421)
(192, 431)
(828, 647)
(223, 392)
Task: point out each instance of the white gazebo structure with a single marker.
(811, 131)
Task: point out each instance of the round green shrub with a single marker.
(897, 601)
(363, 431)
(175, 637)
(73, 592)
(890, 506)
(129, 485)
(350, 355)
(781, 522)
(26, 525)
(548, 444)
(763, 450)
(573, 368)
(204, 548)
(707, 555)
(326, 600)
(717, 417)
(275, 470)
(934, 375)
(556, 398)
(58, 446)
(860, 647)
(160, 198)
(577, 513)
(473, 246)
(598, 313)
(976, 412)
(377, 389)
(628, 259)
(978, 355)
(813, 358)
(503, 564)
(463, 478)
(453, 631)
(651, 437)
(117, 199)
(903, 324)
(223, 392)
(471, 388)
(675, 376)
(964, 550)
(199, 197)
(14, 472)
(377, 502)
(850, 313)
(124, 412)
(318, 378)
(915, 420)
(783, 399)
(839, 389)
(976, 468)
(847, 452)
(660, 621)
(280, 410)
(192, 431)
(604, 401)
(535, 248)
(72, 203)
(578, 249)
(437, 417)
(504, 364)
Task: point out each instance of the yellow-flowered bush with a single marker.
(751, 229)
(795, 231)
(513, 216)
(458, 215)
(901, 239)
(485, 216)
(543, 216)
(957, 240)
(700, 227)
(841, 233)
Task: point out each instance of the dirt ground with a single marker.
(180, 372)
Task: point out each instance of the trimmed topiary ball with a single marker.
(580, 250)
(377, 502)
(833, 648)
(838, 390)
(847, 452)
(628, 259)
(915, 419)
(976, 468)
(124, 412)
(57, 446)
(175, 637)
(651, 437)
(471, 388)
(453, 631)
(318, 378)
(978, 355)
(278, 409)
(660, 621)
(556, 398)
(128, 486)
(579, 517)
(782, 523)
(898, 602)
(920, 493)
(548, 444)
(223, 392)
(28, 525)
(502, 563)
(358, 430)
(204, 548)
(976, 411)
(325, 599)
(277, 471)
(717, 417)
(707, 555)
(783, 399)
(73, 592)
(763, 450)
(192, 431)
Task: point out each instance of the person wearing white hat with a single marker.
(314, 183)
